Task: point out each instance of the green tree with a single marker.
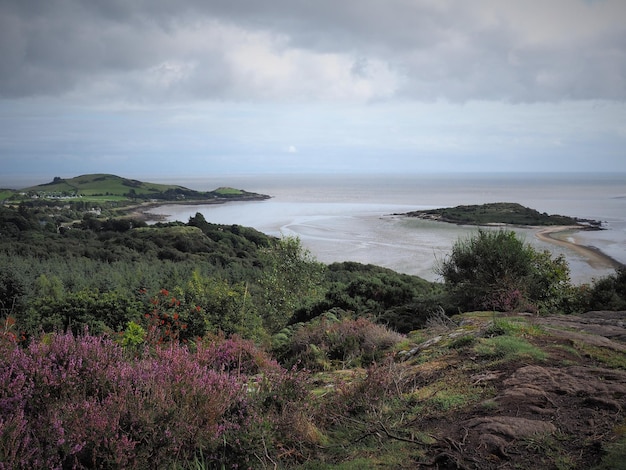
(290, 278)
(494, 269)
(223, 306)
(99, 311)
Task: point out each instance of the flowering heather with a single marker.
(71, 402)
(235, 354)
(86, 402)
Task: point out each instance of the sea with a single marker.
(340, 217)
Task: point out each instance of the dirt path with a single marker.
(594, 256)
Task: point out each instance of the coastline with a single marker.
(556, 234)
(142, 211)
(594, 256)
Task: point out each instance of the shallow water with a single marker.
(348, 218)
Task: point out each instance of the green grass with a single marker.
(547, 449)
(462, 342)
(609, 357)
(95, 184)
(6, 194)
(615, 456)
(507, 348)
(228, 192)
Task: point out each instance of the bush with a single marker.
(82, 402)
(609, 293)
(346, 343)
(495, 270)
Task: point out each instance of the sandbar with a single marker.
(595, 257)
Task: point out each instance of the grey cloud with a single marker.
(450, 50)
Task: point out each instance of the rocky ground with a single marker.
(563, 411)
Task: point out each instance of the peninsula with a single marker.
(102, 187)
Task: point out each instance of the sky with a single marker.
(146, 88)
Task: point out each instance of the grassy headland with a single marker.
(102, 188)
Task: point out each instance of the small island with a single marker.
(555, 229)
(501, 213)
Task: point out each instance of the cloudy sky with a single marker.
(209, 87)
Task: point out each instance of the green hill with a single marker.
(95, 184)
(107, 187)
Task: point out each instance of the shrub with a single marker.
(83, 402)
(495, 270)
(384, 381)
(609, 293)
(77, 401)
(345, 342)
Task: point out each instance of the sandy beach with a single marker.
(562, 235)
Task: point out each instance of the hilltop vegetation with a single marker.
(200, 345)
(498, 213)
(108, 188)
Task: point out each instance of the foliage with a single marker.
(329, 341)
(401, 301)
(73, 311)
(290, 274)
(224, 306)
(496, 270)
(82, 402)
(609, 293)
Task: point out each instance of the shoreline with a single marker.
(142, 211)
(595, 257)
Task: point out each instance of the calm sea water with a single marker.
(339, 217)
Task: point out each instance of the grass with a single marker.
(513, 327)
(93, 184)
(615, 452)
(548, 451)
(507, 348)
(615, 456)
(5, 194)
(462, 342)
(228, 192)
(608, 357)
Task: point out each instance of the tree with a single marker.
(496, 270)
(291, 276)
(223, 306)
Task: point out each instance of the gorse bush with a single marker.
(83, 402)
